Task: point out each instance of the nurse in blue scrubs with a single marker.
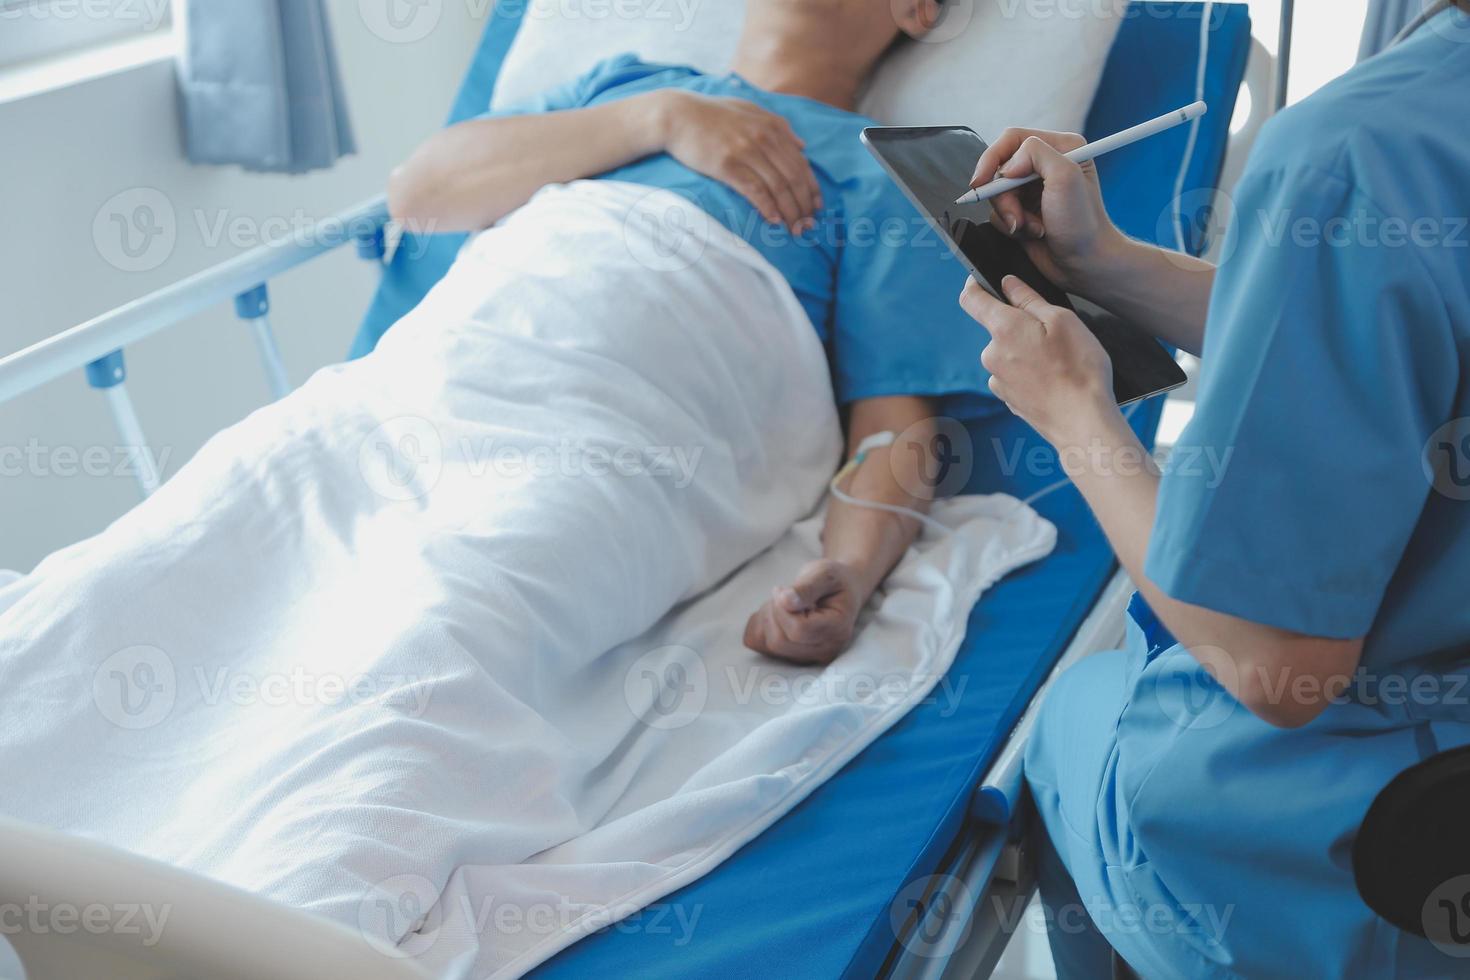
(1303, 628)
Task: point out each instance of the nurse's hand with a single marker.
(1060, 220)
(1043, 361)
(812, 620)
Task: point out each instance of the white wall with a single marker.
(65, 154)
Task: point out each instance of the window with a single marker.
(1324, 39)
(34, 29)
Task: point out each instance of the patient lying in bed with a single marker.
(405, 638)
(771, 152)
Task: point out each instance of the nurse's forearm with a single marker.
(1284, 678)
(1164, 292)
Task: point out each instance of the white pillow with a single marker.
(561, 39)
(987, 64)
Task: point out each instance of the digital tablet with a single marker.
(932, 165)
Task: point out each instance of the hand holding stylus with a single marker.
(1060, 221)
(1088, 151)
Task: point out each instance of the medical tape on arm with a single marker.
(879, 440)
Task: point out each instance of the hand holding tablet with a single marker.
(923, 161)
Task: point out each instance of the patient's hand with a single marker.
(753, 150)
(812, 620)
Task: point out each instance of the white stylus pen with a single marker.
(1092, 151)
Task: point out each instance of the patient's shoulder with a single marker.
(628, 69)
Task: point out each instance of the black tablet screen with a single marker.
(932, 164)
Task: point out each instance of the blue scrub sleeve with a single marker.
(1328, 363)
(897, 326)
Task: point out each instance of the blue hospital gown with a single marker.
(1335, 388)
(877, 283)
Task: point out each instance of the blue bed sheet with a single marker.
(811, 896)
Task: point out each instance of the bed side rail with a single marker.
(98, 344)
(998, 796)
(970, 910)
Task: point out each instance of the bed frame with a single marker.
(98, 344)
(968, 919)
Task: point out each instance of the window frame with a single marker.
(36, 30)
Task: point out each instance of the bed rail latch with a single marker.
(254, 307)
(109, 375)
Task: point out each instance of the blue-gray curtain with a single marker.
(1386, 18)
(259, 85)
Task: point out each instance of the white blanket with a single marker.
(399, 649)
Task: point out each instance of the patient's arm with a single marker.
(812, 619)
(469, 176)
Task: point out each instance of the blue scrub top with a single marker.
(1334, 388)
(878, 285)
(1336, 355)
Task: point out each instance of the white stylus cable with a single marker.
(884, 439)
(879, 440)
(1065, 481)
(1206, 17)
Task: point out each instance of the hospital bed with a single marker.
(910, 860)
